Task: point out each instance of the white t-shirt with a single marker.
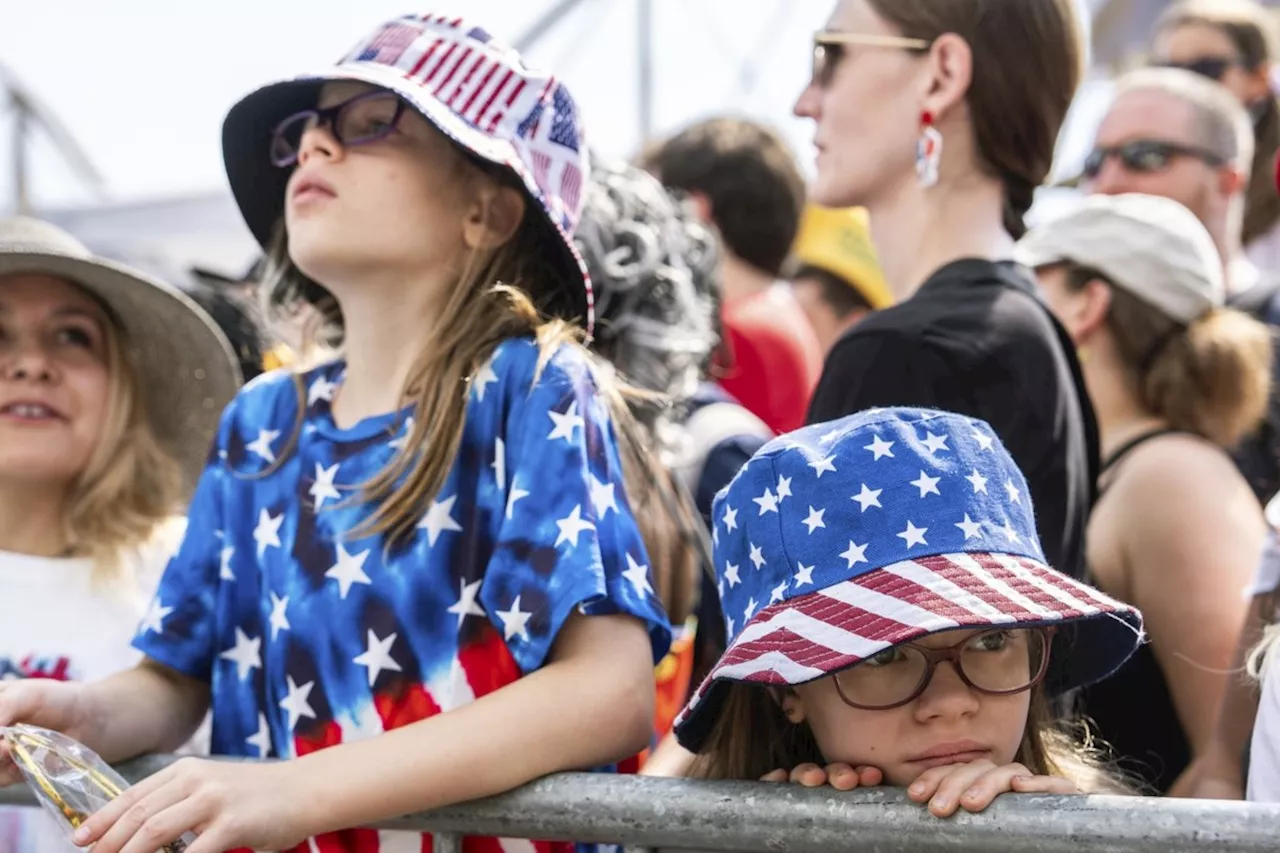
(56, 623)
(1264, 754)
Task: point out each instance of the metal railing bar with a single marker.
(642, 812)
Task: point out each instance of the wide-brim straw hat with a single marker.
(185, 369)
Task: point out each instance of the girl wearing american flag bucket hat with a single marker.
(891, 619)
(401, 562)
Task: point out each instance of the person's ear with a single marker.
(1258, 83)
(701, 205)
(950, 74)
(1232, 181)
(791, 703)
(1090, 310)
(494, 216)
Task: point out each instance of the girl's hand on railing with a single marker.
(40, 702)
(839, 776)
(973, 786)
(229, 804)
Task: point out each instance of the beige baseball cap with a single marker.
(1152, 247)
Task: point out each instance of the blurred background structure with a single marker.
(111, 129)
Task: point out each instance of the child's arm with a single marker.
(590, 705)
(149, 708)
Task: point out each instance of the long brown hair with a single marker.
(1251, 31)
(130, 484)
(497, 298)
(753, 737)
(1027, 63)
(1211, 378)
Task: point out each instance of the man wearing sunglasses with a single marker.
(1174, 133)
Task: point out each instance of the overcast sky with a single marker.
(144, 84)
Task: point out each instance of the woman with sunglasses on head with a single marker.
(1176, 379)
(903, 637)
(1233, 43)
(110, 389)
(414, 572)
(940, 117)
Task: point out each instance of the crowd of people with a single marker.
(508, 459)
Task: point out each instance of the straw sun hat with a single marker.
(185, 367)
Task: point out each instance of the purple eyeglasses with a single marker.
(357, 121)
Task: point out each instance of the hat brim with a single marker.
(259, 186)
(829, 630)
(186, 369)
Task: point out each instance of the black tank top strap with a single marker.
(1128, 447)
(1134, 443)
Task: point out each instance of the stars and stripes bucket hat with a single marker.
(475, 90)
(841, 540)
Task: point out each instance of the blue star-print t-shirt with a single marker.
(310, 635)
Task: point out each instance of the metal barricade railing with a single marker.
(640, 812)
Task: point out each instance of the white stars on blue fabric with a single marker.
(867, 498)
(312, 630)
(855, 554)
(913, 535)
(814, 521)
(246, 654)
(969, 528)
(768, 502)
(323, 489)
(603, 497)
(377, 657)
(572, 527)
(835, 501)
(825, 465)
(349, 570)
(225, 572)
(439, 519)
(466, 604)
(880, 448)
(267, 533)
(153, 621)
(483, 380)
(638, 575)
(935, 443)
(927, 485)
(261, 446)
(566, 424)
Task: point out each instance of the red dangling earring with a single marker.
(928, 151)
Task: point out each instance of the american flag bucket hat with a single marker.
(475, 90)
(843, 539)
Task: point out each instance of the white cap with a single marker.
(1150, 246)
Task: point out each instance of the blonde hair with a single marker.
(1211, 378)
(130, 484)
(752, 737)
(496, 299)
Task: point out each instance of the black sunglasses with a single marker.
(1146, 156)
(357, 121)
(1212, 67)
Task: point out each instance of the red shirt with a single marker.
(771, 360)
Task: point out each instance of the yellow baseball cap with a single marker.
(839, 241)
